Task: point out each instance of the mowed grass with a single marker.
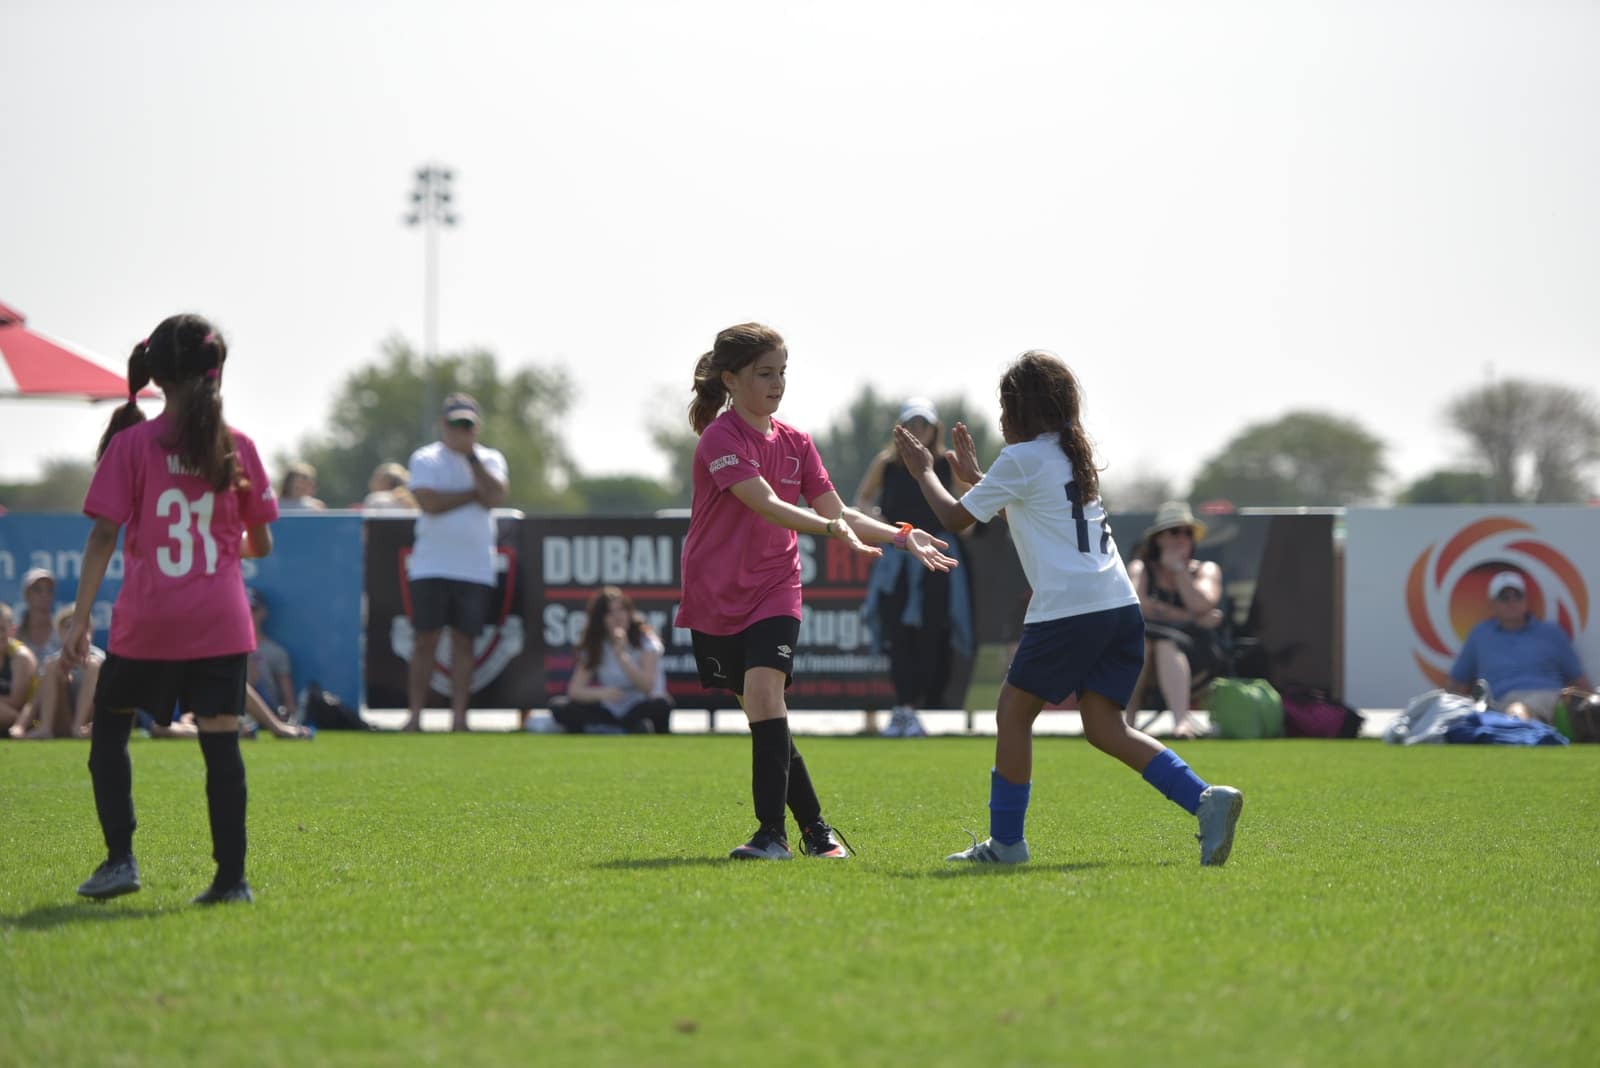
(562, 900)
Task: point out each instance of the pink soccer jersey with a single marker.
(182, 594)
(738, 567)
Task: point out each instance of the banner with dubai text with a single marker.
(1416, 582)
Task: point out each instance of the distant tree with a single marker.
(623, 495)
(1139, 491)
(1303, 458)
(377, 415)
(61, 487)
(847, 444)
(1550, 431)
(1448, 487)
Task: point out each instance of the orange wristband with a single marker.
(903, 535)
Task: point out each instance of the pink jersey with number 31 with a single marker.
(182, 592)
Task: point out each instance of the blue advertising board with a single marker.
(311, 585)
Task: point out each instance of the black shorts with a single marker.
(437, 603)
(724, 658)
(212, 686)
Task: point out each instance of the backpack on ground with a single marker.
(1314, 714)
(1245, 708)
(326, 712)
(1578, 716)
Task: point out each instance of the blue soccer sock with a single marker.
(1008, 808)
(1168, 773)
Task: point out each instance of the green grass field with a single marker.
(493, 899)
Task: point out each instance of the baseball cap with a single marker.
(34, 574)
(460, 406)
(1506, 580)
(918, 408)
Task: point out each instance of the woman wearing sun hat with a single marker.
(1180, 597)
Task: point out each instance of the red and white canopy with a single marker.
(33, 365)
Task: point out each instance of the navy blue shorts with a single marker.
(1102, 652)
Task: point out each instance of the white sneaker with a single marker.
(989, 851)
(1218, 814)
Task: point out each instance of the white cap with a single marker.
(918, 407)
(1506, 580)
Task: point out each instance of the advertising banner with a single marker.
(1416, 582)
(834, 668)
(505, 670)
(311, 584)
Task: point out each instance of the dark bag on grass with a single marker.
(326, 712)
(1313, 714)
(1578, 716)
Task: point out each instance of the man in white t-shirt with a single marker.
(456, 482)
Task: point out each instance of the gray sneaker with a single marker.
(769, 843)
(112, 879)
(1218, 813)
(225, 895)
(989, 851)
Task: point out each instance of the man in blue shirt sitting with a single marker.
(1525, 661)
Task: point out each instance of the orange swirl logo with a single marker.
(1447, 593)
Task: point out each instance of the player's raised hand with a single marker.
(964, 457)
(913, 453)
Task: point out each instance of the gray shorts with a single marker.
(1541, 703)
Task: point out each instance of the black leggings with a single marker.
(919, 657)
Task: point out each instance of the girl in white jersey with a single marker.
(191, 493)
(1083, 632)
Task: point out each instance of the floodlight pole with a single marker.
(431, 208)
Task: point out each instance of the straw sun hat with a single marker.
(1175, 514)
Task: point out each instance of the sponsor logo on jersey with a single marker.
(723, 461)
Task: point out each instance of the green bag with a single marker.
(1245, 708)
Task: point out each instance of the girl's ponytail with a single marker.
(204, 441)
(709, 393)
(129, 414)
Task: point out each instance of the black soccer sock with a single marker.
(112, 774)
(225, 799)
(802, 795)
(769, 769)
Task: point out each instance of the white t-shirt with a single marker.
(610, 673)
(1066, 550)
(458, 544)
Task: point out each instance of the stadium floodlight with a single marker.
(431, 208)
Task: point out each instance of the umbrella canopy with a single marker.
(32, 365)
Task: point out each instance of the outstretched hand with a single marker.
(926, 547)
(964, 457)
(913, 453)
(848, 535)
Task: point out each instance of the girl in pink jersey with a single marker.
(191, 493)
(741, 566)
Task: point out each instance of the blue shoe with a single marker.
(1218, 814)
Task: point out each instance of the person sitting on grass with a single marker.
(619, 682)
(64, 705)
(1524, 661)
(19, 671)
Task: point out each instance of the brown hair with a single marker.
(594, 628)
(1039, 394)
(184, 356)
(736, 348)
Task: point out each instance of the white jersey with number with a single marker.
(1064, 544)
